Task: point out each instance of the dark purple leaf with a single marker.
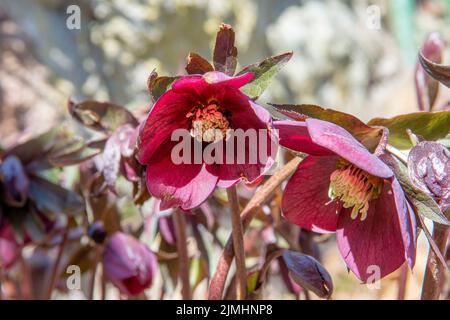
(196, 64)
(429, 168)
(437, 71)
(76, 153)
(35, 148)
(309, 273)
(15, 181)
(225, 53)
(101, 116)
(50, 197)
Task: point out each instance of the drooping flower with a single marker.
(129, 264)
(341, 187)
(207, 106)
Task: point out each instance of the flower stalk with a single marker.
(238, 244)
(183, 258)
(435, 272)
(55, 271)
(219, 278)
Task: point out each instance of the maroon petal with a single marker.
(203, 85)
(407, 221)
(377, 241)
(294, 135)
(184, 185)
(167, 115)
(247, 115)
(341, 142)
(305, 200)
(216, 77)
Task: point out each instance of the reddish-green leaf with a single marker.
(429, 125)
(157, 86)
(101, 116)
(367, 135)
(225, 53)
(436, 70)
(196, 64)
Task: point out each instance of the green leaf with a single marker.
(263, 74)
(101, 116)
(429, 125)
(367, 135)
(157, 86)
(422, 202)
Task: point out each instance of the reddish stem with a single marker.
(223, 267)
(55, 271)
(183, 258)
(435, 272)
(238, 244)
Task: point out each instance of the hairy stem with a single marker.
(223, 267)
(435, 272)
(238, 244)
(180, 230)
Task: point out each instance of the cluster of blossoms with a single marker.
(349, 180)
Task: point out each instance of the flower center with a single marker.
(208, 123)
(354, 188)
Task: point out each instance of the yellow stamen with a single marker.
(354, 188)
(208, 124)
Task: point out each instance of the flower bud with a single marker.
(129, 264)
(97, 232)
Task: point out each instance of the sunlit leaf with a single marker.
(157, 85)
(429, 125)
(263, 73)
